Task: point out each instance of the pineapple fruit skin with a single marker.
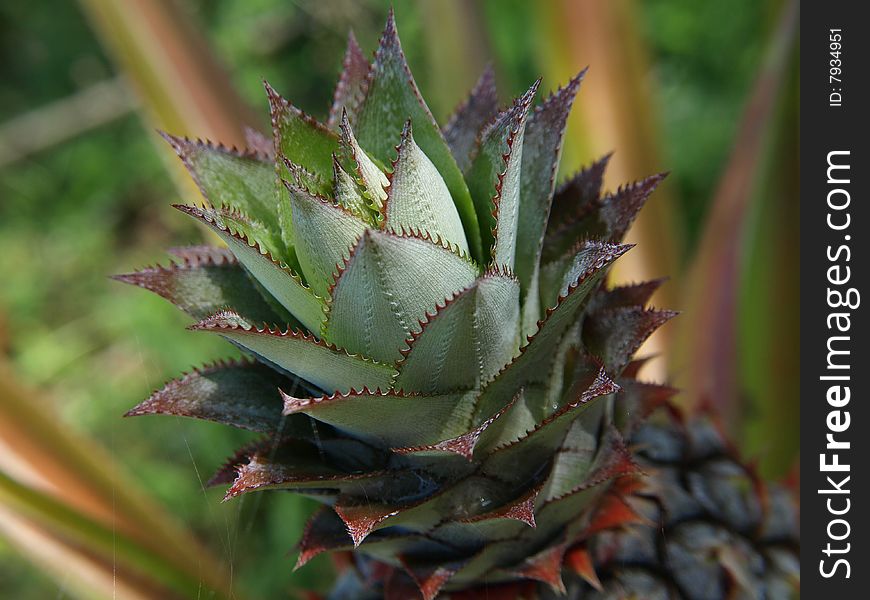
(431, 351)
(709, 529)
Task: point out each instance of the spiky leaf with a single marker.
(391, 99)
(349, 89)
(385, 289)
(207, 280)
(381, 416)
(418, 198)
(284, 285)
(467, 341)
(463, 128)
(542, 148)
(325, 234)
(326, 366)
(494, 180)
(236, 393)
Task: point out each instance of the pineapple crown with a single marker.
(428, 305)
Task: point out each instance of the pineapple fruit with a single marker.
(433, 355)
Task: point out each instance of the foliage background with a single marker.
(98, 203)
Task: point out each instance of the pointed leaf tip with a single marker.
(578, 560)
(417, 198)
(350, 88)
(546, 567)
(362, 520)
(469, 118)
(391, 97)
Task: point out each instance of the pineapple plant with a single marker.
(433, 353)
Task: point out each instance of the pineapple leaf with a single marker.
(279, 280)
(375, 303)
(305, 147)
(227, 472)
(494, 179)
(324, 234)
(463, 445)
(521, 416)
(303, 464)
(369, 176)
(391, 98)
(238, 393)
(535, 357)
(349, 89)
(417, 197)
(578, 194)
(244, 182)
(608, 219)
(637, 400)
(207, 280)
(467, 340)
(300, 138)
(633, 294)
(612, 460)
(471, 495)
(348, 193)
(545, 566)
(468, 119)
(329, 368)
(389, 419)
(542, 149)
(519, 460)
(615, 334)
(557, 276)
(429, 576)
(237, 183)
(324, 532)
(573, 462)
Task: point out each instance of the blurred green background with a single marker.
(75, 210)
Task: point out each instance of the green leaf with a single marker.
(330, 368)
(532, 365)
(349, 89)
(494, 180)
(467, 340)
(368, 175)
(287, 171)
(573, 462)
(388, 285)
(304, 149)
(468, 119)
(557, 276)
(284, 285)
(241, 181)
(391, 99)
(581, 472)
(208, 279)
(238, 393)
(542, 149)
(324, 234)
(347, 192)
(418, 199)
(389, 418)
(521, 459)
(303, 140)
(305, 464)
